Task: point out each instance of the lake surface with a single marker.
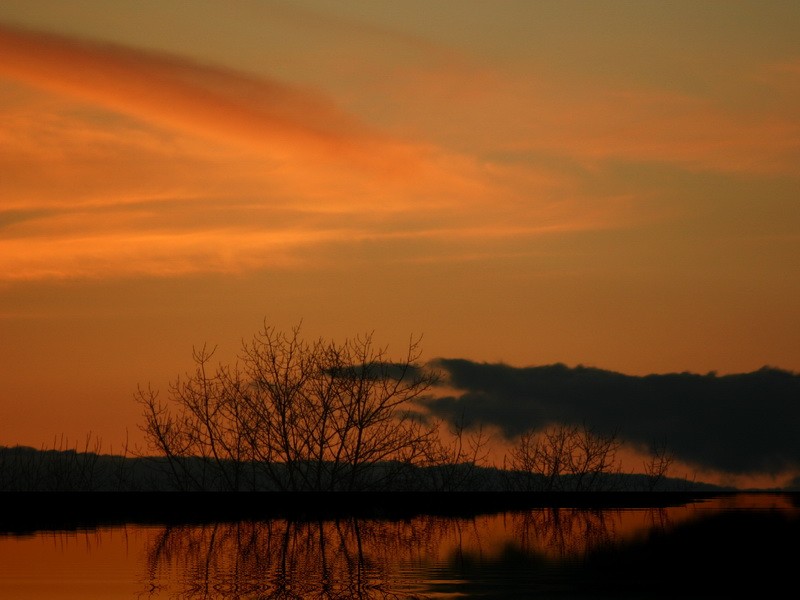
(719, 546)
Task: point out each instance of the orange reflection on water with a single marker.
(102, 563)
(423, 556)
(375, 558)
(748, 501)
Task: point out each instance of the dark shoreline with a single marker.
(31, 511)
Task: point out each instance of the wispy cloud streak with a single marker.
(112, 127)
(178, 92)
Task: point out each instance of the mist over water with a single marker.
(715, 546)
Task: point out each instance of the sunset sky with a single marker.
(608, 184)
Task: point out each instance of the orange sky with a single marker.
(609, 185)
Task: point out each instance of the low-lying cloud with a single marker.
(740, 424)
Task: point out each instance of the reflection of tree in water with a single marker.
(347, 558)
(563, 531)
(658, 518)
(366, 558)
(572, 533)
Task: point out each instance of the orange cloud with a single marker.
(166, 253)
(696, 133)
(127, 162)
(180, 93)
(293, 131)
(528, 111)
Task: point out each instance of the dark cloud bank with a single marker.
(742, 423)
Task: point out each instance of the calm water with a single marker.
(718, 547)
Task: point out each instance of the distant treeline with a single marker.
(25, 469)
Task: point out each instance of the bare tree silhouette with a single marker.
(293, 415)
(656, 466)
(564, 458)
